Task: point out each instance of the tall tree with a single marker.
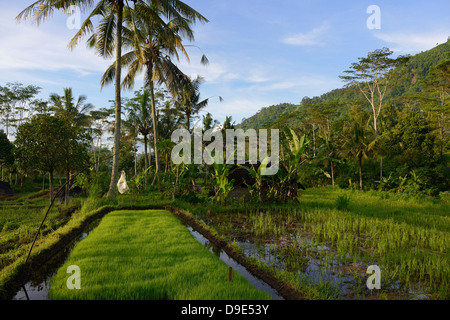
(208, 122)
(98, 126)
(6, 152)
(41, 144)
(15, 102)
(74, 111)
(139, 109)
(437, 90)
(190, 99)
(42, 9)
(372, 76)
(355, 138)
(170, 119)
(154, 30)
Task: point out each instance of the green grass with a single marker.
(148, 255)
(421, 212)
(19, 221)
(20, 218)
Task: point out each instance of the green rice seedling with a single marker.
(148, 255)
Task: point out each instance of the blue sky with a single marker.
(261, 52)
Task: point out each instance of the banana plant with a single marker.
(223, 185)
(138, 180)
(296, 156)
(259, 178)
(295, 148)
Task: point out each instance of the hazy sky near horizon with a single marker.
(261, 52)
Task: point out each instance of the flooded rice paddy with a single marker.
(287, 244)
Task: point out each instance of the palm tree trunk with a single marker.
(155, 123)
(135, 157)
(115, 165)
(381, 167)
(93, 148)
(360, 172)
(99, 147)
(167, 163)
(188, 121)
(145, 160)
(149, 153)
(332, 172)
(314, 139)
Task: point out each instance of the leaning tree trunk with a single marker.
(115, 165)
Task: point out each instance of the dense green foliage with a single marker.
(265, 115)
(387, 132)
(6, 150)
(384, 136)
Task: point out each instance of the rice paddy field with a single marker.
(324, 244)
(148, 255)
(19, 220)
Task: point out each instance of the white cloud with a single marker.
(238, 108)
(412, 42)
(310, 38)
(27, 47)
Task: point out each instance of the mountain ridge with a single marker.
(417, 68)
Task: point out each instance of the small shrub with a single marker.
(191, 197)
(342, 202)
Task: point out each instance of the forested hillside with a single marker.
(413, 74)
(268, 114)
(387, 133)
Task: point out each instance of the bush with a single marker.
(342, 202)
(191, 197)
(99, 184)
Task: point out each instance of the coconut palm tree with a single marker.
(155, 35)
(138, 115)
(190, 101)
(355, 139)
(110, 28)
(170, 119)
(74, 112)
(42, 9)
